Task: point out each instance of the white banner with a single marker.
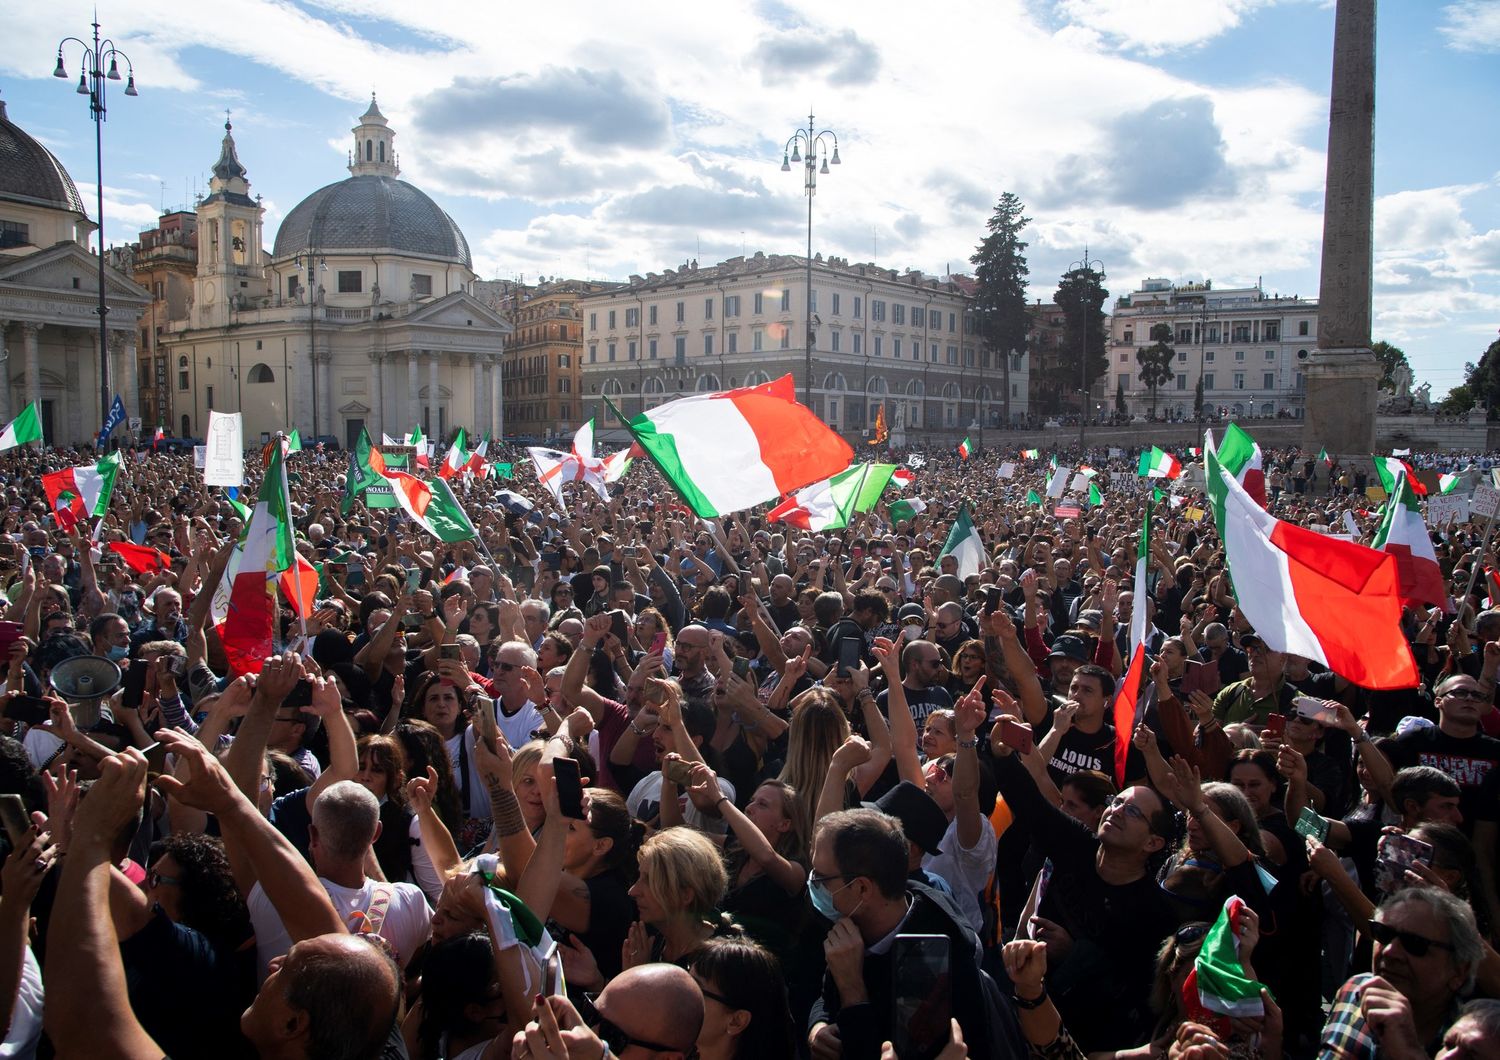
(1441, 509)
(1006, 470)
(224, 455)
(1486, 502)
(200, 456)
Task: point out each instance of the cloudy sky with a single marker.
(1173, 138)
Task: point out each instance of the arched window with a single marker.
(261, 373)
(382, 150)
(369, 150)
(707, 383)
(182, 362)
(757, 378)
(877, 385)
(835, 381)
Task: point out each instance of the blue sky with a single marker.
(1176, 138)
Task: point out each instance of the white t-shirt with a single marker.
(406, 925)
(26, 1018)
(517, 730)
(644, 804)
(966, 871)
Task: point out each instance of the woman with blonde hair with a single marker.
(819, 728)
(681, 885)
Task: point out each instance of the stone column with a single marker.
(1343, 373)
(497, 398)
(31, 339)
(132, 394)
(75, 393)
(5, 412)
(324, 361)
(413, 397)
(480, 397)
(434, 426)
(377, 412)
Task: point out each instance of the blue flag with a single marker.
(114, 419)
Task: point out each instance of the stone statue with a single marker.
(1401, 378)
(318, 299)
(1422, 397)
(375, 293)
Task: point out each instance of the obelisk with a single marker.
(1343, 373)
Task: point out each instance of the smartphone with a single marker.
(631, 552)
(619, 625)
(1017, 735)
(569, 788)
(679, 771)
(1315, 710)
(552, 560)
(850, 651)
(1276, 724)
(482, 714)
(413, 579)
(741, 667)
(33, 710)
(156, 758)
(177, 666)
(1311, 823)
(921, 995)
(992, 598)
(16, 820)
(10, 632)
(659, 643)
(134, 687)
(355, 577)
(411, 620)
(450, 651)
(1392, 856)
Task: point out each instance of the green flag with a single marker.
(1096, 498)
(27, 427)
(907, 509)
(364, 480)
(504, 470)
(1034, 498)
(876, 478)
(294, 442)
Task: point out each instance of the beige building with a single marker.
(361, 316)
(49, 298)
(879, 338)
(165, 263)
(1250, 349)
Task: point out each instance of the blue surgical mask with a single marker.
(822, 898)
(117, 652)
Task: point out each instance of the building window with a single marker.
(1213, 334)
(760, 303)
(681, 311)
(1181, 381)
(1182, 356)
(651, 349)
(17, 234)
(1184, 334)
(630, 350)
(898, 313)
(632, 318)
(932, 353)
(1208, 381)
(857, 343)
(351, 281)
(756, 338)
(708, 345)
(1269, 381)
(895, 346)
(1125, 380)
(786, 338)
(952, 354)
(182, 380)
(681, 350)
(1209, 356)
(1301, 327)
(1271, 331)
(1239, 380)
(564, 360)
(1241, 333)
(812, 305)
(260, 373)
(1270, 355)
(877, 309)
(734, 342)
(1239, 355)
(1124, 358)
(708, 309)
(610, 351)
(878, 344)
(952, 322)
(593, 321)
(593, 353)
(835, 303)
(857, 307)
(731, 305)
(835, 340)
(611, 320)
(293, 285)
(421, 285)
(1128, 337)
(786, 299)
(208, 394)
(651, 315)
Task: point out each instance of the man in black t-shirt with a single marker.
(1455, 745)
(1081, 738)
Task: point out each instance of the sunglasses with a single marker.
(156, 879)
(1190, 933)
(614, 1037)
(1416, 945)
(505, 667)
(1464, 693)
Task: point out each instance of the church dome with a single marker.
(31, 174)
(371, 214)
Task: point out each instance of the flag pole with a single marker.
(286, 500)
(1489, 528)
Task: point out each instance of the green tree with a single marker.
(1120, 405)
(1000, 300)
(1459, 400)
(1156, 362)
(1198, 399)
(1389, 357)
(1082, 358)
(1483, 379)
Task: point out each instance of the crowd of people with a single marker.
(613, 781)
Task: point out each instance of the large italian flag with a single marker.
(27, 427)
(964, 544)
(1403, 533)
(1390, 468)
(828, 505)
(432, 506)
(1127, 698)
(245, 602)
(76, 493)
(1158, 463)
(457, 457)
(1332, 601)
(1238, 454)
(728, 451)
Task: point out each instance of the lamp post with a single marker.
(91, 83)
(810, 142)
(312, 264)
(1085, 265)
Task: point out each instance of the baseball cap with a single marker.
(1068, 646)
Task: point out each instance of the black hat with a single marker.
(921, 818)
(1070, 647)
(911, 611)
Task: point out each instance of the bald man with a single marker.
(333, 995)
(650, 1011)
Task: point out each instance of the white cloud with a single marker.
(1472, 25)
(1156, 26)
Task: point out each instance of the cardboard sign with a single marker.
(1441, 509)
(224, 460)
(1485, 502)
(200, 456)
(1376, 494)
(1006, 470)
(1195, 514)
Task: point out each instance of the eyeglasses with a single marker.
(156, 879)
(1464, 693)
(505, 667)
(1129, 809)
(814, 877)
(1416, 945)
(720, 998)
(1190, 933)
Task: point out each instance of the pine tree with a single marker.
(1156, 362)
(1081, 295)
(1000, 301)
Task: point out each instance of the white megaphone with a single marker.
(83, 681)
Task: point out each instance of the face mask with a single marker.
(117, 652)
(822, 899)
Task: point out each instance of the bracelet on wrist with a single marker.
(1030, 1003)
(968, 745)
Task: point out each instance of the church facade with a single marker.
(362, 315)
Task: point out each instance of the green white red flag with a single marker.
(432, 506)
(1158, 464)
(27, 427)
(1447, 483)
(244, 603)
(965, 450)
(1403, 533)
(1238, 454)
(79, 493)
(728, 451)
(457, 458)
(1217, 989)
(1391, 467)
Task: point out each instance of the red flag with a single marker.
(143, 559)
(1125, 700)
(300, 589)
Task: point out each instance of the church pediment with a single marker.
(459, 310)
(57, 267)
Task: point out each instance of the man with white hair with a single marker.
(515, 714)
(345, 822)
(534, 615)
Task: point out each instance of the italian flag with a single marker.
(1031, 454)
(1217, 986)
(1128, 697)
(514, 925)
(903, 477)
(476, 464)
(432, 507)
(456, 459)
(828, 505)
(294, 442)
(964, 544)
(904, 511)
(1447, 483)
(299, 584)
(1096, 497)
(27, 427)
(965, 450)
(1324, 457)
(415, 437)
(1403, 533)
(245, 602)
(1158, 464)
(728, 451)
(1240, 456)
(76, 493)
(1390, 468)
(1332, 601)
(616, 464)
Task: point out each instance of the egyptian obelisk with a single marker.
(1343, 373)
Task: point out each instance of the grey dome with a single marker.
(31, 174)
(371, 213)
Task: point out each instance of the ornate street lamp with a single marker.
(812, 144)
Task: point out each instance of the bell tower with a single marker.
(374, 152)
(231, 262)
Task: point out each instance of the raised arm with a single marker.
(968, 715)
(788, 875)
(903, 727)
